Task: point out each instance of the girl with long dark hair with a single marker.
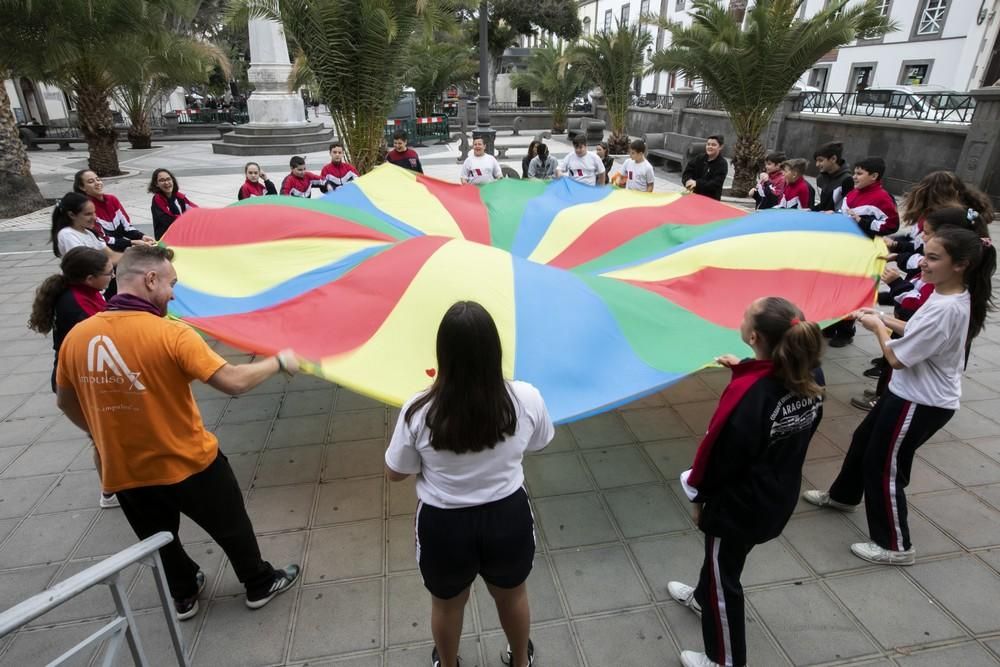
(65, 299)
(464, 439)
(74, 225)
(923, 394)
(748, 468)
(168, 201)
(111, 215)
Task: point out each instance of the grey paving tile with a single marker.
(244, 466)
(409, 610)
(211, 410)
(670, 558)
(821, 447)
(654, 424)
(554, 645)
(38, 405)
(343, 552)
(892, 609)
(349, 500)
(41, 646)
(619, 466)
(988, 446)
(924, 478)
(62, 429)
(646, 510)
(599, 579)
(348, 400)
(840, 429)
(962, 463)
(963, 516)
(293, 465)
(969, 654)
(295, 431)
(572, 521)
(22, 431)
(48, 538)
(824, 540)
(279, 550)
(44, 458)
(696, 415)
(242, 437)
(809, 625)
(970, 424)
(6, 526)
(965, 587)
(403, 497)
(991, 557)
(281, 507)
(368, 660)
(554, 474)
(927, 539)
(625, 639)
(8, 454)
(155, 640)
(309, 402)
(19, 585)
(562, 442)
(672, 457)
(73, 491)
(420, 655)
(7, 405)
(338, 618)
(542, 598)
(401, 540)
(207, 555)
(990, 493)
(251, 408)
(691, 389)
(604, 430)
(358, 425)
(16, 384)
(654, 400)
(276, 384)
(685, 626)
(354, 459)
(254, 637)
(773, 562)
(109, 534)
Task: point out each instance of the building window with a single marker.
(625, 10)
(586, 27)
(607, 21)
(861, 77)
(931, 21)
(884, 8)
(915, 73)
(818, 77)
(679, 7)
(643, 10)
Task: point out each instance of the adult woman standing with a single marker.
(464, 439)
(923, 394)
(66, 298)
(168, 201)
(110, 213)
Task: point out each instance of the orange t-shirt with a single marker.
(132, 373)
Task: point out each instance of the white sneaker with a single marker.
(109, 500)
(873, 553)
(695, 659)
(683, 594)
(823, 499)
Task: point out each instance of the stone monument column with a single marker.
(271, 102)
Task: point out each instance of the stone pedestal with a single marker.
(979, 162)
(278, 124)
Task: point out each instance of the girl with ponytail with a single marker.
(65, 299)
(748, 468)
(923, 394)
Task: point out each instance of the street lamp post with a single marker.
(483, 130)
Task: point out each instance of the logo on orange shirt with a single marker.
(103, 357)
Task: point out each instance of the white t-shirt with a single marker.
(933, 350)
(449, 480)
(69, 238)
(481, 169)
(582, 169)
(639, 174)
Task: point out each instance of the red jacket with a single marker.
(796, 195)
(335, 175)
(300, 187)
(876, 207)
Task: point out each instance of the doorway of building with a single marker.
(861, 77)
(523, 97)
(992, 74)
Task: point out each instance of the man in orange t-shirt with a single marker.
(124, 377)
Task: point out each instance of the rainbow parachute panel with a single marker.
(601, 296)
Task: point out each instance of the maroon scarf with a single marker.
(133, 302)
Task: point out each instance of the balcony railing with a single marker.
(891, 104)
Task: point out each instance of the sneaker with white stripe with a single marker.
(695, 659)
(823, 499)
(873, 553)
(684, 594)
(283, 580)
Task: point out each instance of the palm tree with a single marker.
(357, 53)
(552, 75)
(82, 39)
(434, 65)
(18, 191)
(751, 69)
(613, 60)
(157, 65)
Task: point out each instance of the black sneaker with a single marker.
(188, 607)
(436, 659)
(283, 580)
(875, 372)
(838, 341)
(877, 361)
(508, 657)
(864, 403)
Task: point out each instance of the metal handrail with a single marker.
(107, 572)
(894, 104)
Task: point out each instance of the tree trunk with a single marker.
(618, 143)
(98, 127)
(363, 139)
(558, 121)
(748, 156)
(140, 134)
(19, 193)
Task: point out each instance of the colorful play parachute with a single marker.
(601, 296)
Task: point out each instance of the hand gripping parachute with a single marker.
(601, 296)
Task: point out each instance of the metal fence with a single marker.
(212, 116)
(893, 104)
(705, 100)
(513, 107)
(419, 129)
(119, 629)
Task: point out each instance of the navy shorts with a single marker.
(495, 540)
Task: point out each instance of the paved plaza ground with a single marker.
(613, 526)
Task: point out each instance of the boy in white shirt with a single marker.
(480, 167)
(581, 165)
(637, 172)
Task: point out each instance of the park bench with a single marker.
(673, 147)
(591, 128)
